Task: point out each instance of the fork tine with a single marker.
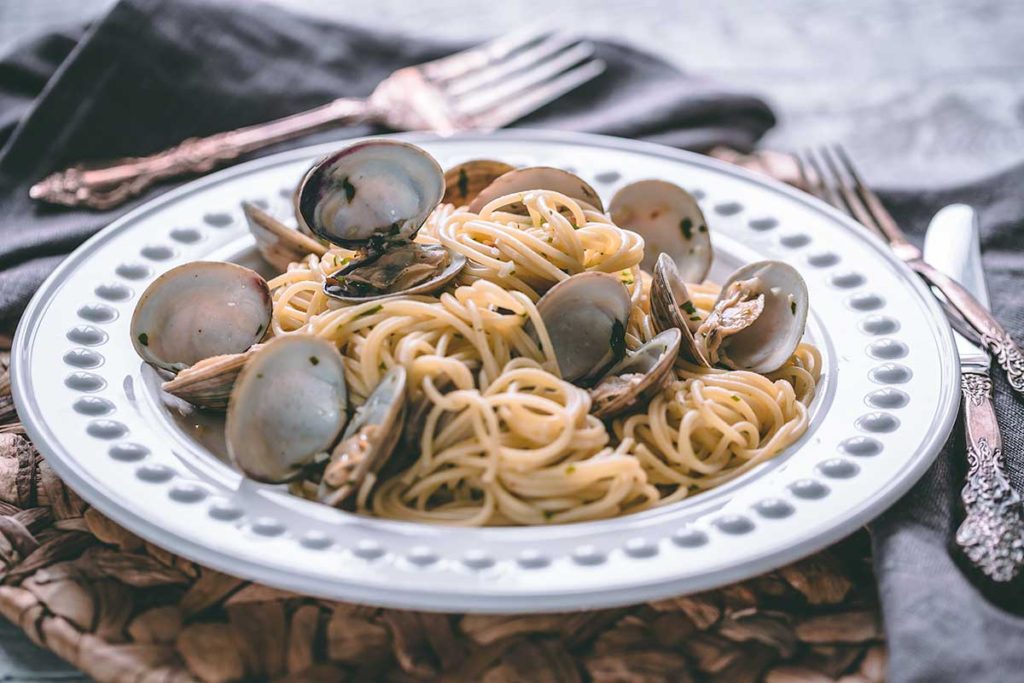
(855, 206)
(811, 180)
(883, 219)
(822, 187)
(478, 56)
(522, 83)
(534, 54)
(517, 108)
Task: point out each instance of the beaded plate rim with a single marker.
(604, 563)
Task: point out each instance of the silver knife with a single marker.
(992, 533)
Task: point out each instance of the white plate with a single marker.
(886, 403)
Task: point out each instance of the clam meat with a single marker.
(758, 318)
(635, 379)
(368, 442)
(409, 268)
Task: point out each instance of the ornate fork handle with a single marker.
(992, 533)
(105, 186)
(995, 338)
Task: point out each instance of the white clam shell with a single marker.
(670, 221)
(537, 178)
(772, 338)
(585, 316)
(374, 188)
(288, 404)
(199, 310)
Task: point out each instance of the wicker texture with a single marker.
(121, 609)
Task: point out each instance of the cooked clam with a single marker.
(670, 221)
(672, 308)
(635, 379)
(463, 182)
(379, 190)
(758, 318)
(278, 244)
(409, 268)
(537, 178)
(288, 405)
(585, 316)
(208, 383)
(368, 441)
(200, 310)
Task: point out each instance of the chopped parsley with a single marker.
(686, 225)
(735, 398)
(370, 311)
(463, 183)
(792, 307)
(688, 307)
(144, 339)
(350, 189)
(313, 360)
(571, 469)
(259, 330)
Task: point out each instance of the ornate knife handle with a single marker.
(992, 533)
(994, 337)
(106, 186)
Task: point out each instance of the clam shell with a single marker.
(537, 178)
(288, 404)
(672, 308)
(200, 310)
(278, 244)
(375, 189)
(369, 440)
(585, 316)
(635, 380)
(456, 262)
(768, 342)
(670, 221)
(208, 383)
(463, 182)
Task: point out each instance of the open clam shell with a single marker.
(208, 383)
(277, 243)
(635, 379)
(672, 308)
(404, 269)
(585, 317)
(368, 441)
(537, 178)
(288, 405)
(758, 319)
(670, 221)
(371, 190)
(199, 310)
(463, 182)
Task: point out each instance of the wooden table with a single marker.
(923, 93)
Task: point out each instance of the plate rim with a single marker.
(64, 464)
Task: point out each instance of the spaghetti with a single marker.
(504, 439)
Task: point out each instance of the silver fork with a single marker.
(829, 174)
(483, 88)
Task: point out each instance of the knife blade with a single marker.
(992, 533)
(953, 245)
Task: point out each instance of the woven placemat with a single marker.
(121, 609)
